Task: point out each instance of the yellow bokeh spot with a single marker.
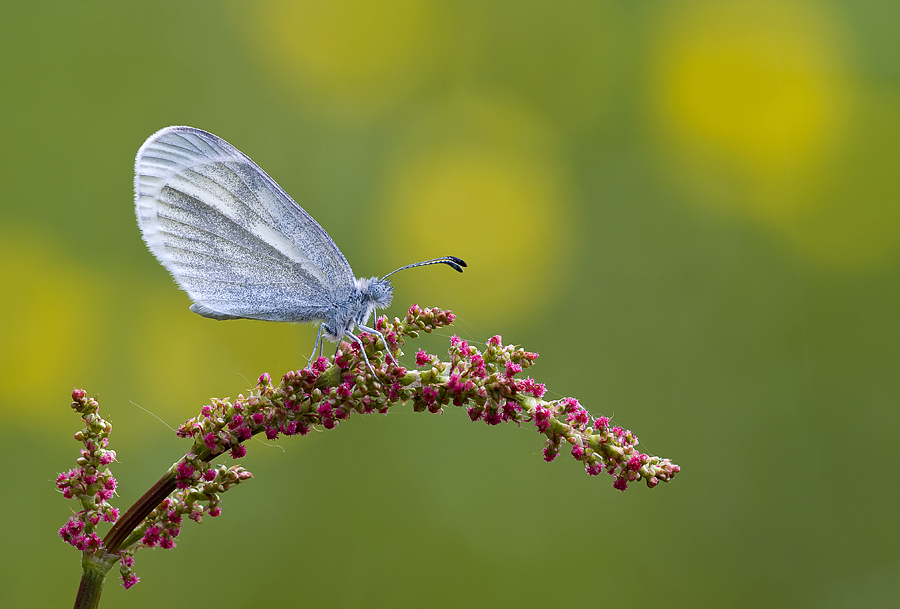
(853, 220)
(184, 358)
(755, 90)
(499, 213)
(760, 117)
(481, 184)
(347, 55)
(51, 316)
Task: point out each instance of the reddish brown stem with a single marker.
(137, 512)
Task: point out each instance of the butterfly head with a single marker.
(374, 294)
(380, 292)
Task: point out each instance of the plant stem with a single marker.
(94, 573)
(137, 512)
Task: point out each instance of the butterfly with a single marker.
(241, 247)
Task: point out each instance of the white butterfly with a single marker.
(240, 246)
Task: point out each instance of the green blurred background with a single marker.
(690, 209)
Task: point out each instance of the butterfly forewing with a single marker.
(230, 236)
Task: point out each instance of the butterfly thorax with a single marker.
(353, 307)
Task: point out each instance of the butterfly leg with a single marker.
(362, 350)
(317, 346)
(381, 336)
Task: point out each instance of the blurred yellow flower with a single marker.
(52, 315)
(346, 56)
(758, 112)
(482, 182)
(180, 353)
(753, 89)
(853, 223)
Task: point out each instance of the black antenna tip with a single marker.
(458, 261)
(457, 264)
(453, 262)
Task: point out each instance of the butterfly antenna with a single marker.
(457, 264)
